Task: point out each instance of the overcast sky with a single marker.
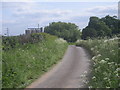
(18, 16)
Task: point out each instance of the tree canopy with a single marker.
(68, 31)
(97, 27)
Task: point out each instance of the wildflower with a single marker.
(109, 63)
(103, 61)
(33, 57)
(82, 76)
(85, 72)
(92, 49)
(97, 51)
(90, 87)
(93, 77)
(85, 81)
(105, 40)
(105, 78)
(93, 58)
(118, 69)
(98, 55)
(112, 62)
(107, 59)
(117, 75)
(112, 50)
(107, 87)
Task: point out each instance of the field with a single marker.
(23, 63)
(105, 62)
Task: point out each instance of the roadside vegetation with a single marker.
(105, 70)
(101, 39)
(24, 61)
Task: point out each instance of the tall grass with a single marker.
(24, 64)
(105, 62)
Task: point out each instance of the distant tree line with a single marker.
(67, 31)
(106, 26)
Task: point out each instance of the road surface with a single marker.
(71, 72)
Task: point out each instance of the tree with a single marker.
(68, 31)
(113, 23)
(96, 28)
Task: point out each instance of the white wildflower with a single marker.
(90, 87)
(97, 51)
(93, 58)
(107, 59)
(93, 77)
(92, 49)
(105, 40)
(118, 69)
(33, 57)
(109, 63)
(98, 55)
(105, 78)
(112, 63)
(85, 72)
(103, 61)
(117, 75)
(85, 81)
(82, 76)
(107, 87)
(112, 50)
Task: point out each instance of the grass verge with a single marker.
(105, 70)
(22, 65)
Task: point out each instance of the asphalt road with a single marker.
(71, 72)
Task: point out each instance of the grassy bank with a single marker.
(105, 62)
(25, 63)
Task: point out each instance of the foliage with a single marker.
(113, 23)
(67, 31)
(25, 63)
(15, 41)
(106, 26)
(105, 71)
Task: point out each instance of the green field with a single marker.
(105, 60)
(22, 64)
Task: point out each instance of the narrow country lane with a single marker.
(68, 72)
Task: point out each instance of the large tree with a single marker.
(113, 23)
(68, 31)
(96, 28)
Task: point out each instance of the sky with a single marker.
(18, 16)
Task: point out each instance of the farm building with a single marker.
(34, 30)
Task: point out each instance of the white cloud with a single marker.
(109, 9)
